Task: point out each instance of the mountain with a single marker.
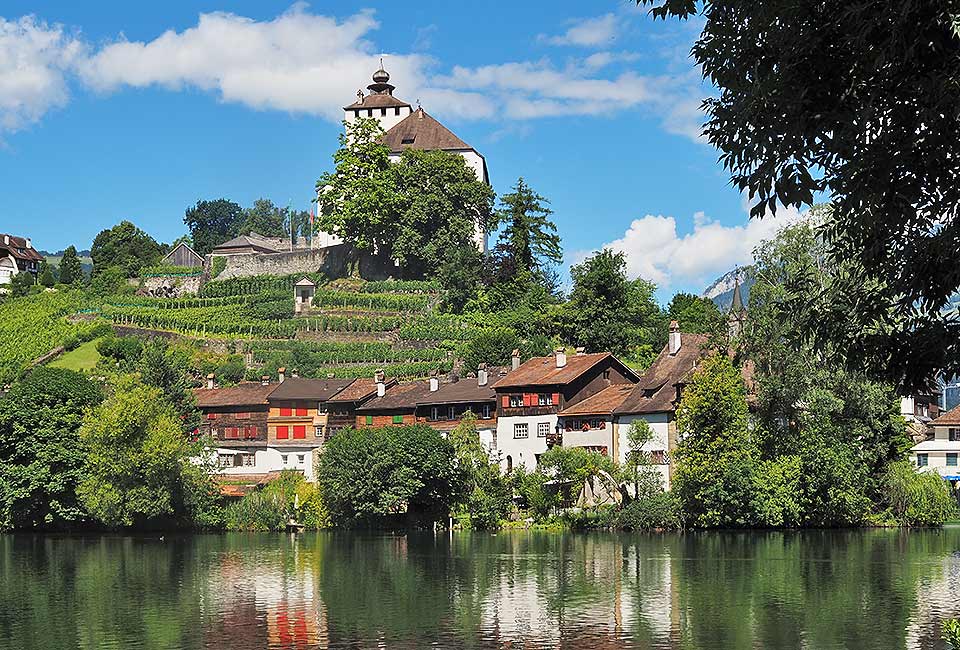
(721, 290)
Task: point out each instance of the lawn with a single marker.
(84, 357)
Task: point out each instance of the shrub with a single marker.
(657, 511)
(917, 498)
(951, 633)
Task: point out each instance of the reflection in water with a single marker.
(821, 589)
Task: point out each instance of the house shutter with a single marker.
(299, 432)
(506, 401)
(283, 433)
(556, 399)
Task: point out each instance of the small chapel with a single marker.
(406, 127)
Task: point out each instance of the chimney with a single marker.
(6, 240)
(580, 351)
(434, 382)
(561, 355)
(515, 360)
(381, 386)
(482, 374)
(283, 374)
(29, 243)
(265, 380)
(211, 381)
(674, 337)
(295, 373)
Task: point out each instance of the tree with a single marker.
(608, 312)
(264, 218)
(42, 458)
(855, 103)
(71, 272)
(212, 222)
(140, 468)
(21, 284)
(46, 278)
(495, 346)
(695, 314)
(126, 247)
(368, 474)
(167, 369)
(646, 480)
(529, 236)
(486, 494)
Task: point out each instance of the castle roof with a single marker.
(421, 131)
(377, 101)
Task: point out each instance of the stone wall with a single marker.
(172, 286)
(332, 261)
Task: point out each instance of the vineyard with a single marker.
(354, 328)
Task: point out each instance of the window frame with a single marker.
(543, 429)
(519, 427)
(516, 401)
(955, 457)
(923, 460)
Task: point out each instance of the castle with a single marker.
(405, 127)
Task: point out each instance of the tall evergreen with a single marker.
(70, 270)
(529, 235)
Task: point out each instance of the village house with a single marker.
(396, 405)
(602, 421)
(531, 397)
(298, 419)
(941, 452)
(17, 255)
(444, 406)
(234, 420)
(342, 407)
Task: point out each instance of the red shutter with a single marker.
(299, 432)
(286, 412)
(556, 399)
(506, 401)
(301, 411)
(283, 433)
(529, 399)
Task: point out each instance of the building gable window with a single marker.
(521, 430)
(922, 460)
(951, 460)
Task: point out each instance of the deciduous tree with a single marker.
(71, 272)
(213, 222)
(126, 247)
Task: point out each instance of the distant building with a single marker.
(531, 397)
(183, 255)
(255, 243)
(941, 452)
(17, 255)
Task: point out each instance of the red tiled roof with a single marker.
(950, 418)
(656, 392)
(543, 371)
(377, 100)
(18, 244)
(359, 390)
(247, 394)
(602, 403)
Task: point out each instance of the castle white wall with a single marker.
(387, 117)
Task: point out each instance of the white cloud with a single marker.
(588, 32)
(656, 251)
(34, 59)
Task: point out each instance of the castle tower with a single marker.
(379, 103)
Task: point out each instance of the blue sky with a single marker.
(120, 110)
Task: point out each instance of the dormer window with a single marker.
(396, 111)
(407, 141)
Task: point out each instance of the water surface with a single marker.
(822, 589)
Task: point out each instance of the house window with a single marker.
(434, 413)
(521, 430)
(486, 412)
(231, 432)
(318, 431)
(954, 435)
(369, 419)
(299, 432)
(451, 413)
(249, 460)
(283, 433)
(544, 399)
(658, 457)
(543, 428)
(225, 460)
(300, 458)
(285, 412)
(516, 401)
(951, 460)
(283, 458)
(301, 411)
(922, 460)
(398, 419)
(242, 416)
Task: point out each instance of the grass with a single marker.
(84, 357)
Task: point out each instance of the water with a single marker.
(849, 589)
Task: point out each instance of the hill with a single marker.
(720, 290)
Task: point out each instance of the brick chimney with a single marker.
(515, 360)
(29, 243)
(265, 380)
(482, 374)
(283, 374)
(211, 381)
(378, 377)
(434, 382)
(561, 355)
(674, 337)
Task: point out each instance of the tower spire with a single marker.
(381, 85)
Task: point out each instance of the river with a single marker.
(817, 589)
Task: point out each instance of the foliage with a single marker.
(46, 277)
(657, 511)
(288, 497)
(217, 266)
(169, 270)
(368, 474)
(165, 368)
(487, 495)
(263, 218)
(212, 222)
(21, 284)
(126, 247)
(918, 498)
(529, 236)
(42, 459)
(108, 281)
(495, 348)
(695, 314)
(854, 104)
(139, 468)
(71, 271)
(123, 350)
(608, 312)
(950, 630)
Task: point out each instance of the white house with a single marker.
(941, 453)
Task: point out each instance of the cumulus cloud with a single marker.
(655, 250)
(34, 60)
(588, 32)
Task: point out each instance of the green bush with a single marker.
(289, 496)
(217, 266)
(917, 498)
(951, 633)
(657, 511)
(600, 518)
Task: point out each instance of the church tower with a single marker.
(738, 312)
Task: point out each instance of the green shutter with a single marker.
(369, 419)
(398, 419)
